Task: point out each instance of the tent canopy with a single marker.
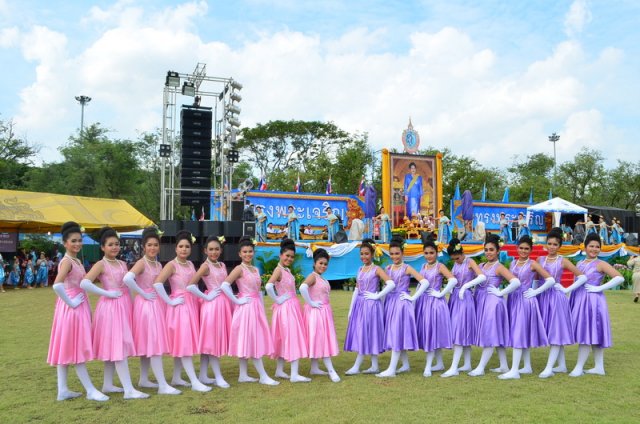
(32, 212)
(557, 206)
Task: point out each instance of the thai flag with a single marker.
(361, 187)
(298, 186)
(329, 188)
(262, 185)
(201, 215)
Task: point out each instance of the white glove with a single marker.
(130, 281)
(422, 287)
(270, 288)
(353, 301)
(164, 296)
(304, 291)
(92, 288)
(614, 282)
(193, 289)
(62, 294)
(514, 283)
(226, 289)
(471, 284)
(389, 285)
(451, 283)
(548, 283)
(580, 281)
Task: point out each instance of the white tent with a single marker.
(557, 206)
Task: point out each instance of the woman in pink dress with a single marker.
(321, 331)
(149, 327)
(182, 321)
(287, 323)
(112, 335)
(250, 335)
(70, 341)
(215, 313)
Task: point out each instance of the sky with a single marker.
(490, 79)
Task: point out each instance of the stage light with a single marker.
(235, 97)
(234, 109)
(234, 122)
(235, 85)
(233, 156)
(188, 89)
(173, 79)
(165, 150)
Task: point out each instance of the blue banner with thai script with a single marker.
(489, 213)
(309, 207)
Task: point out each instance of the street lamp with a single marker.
(83, 101)
(554, 138)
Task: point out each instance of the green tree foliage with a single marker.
(533, 172)
(282, 150)
(16, 157)
(583, 177)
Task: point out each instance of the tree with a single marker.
(281, 145)
(621, 187)
(16, 157)
(583, 177)
(533, 172)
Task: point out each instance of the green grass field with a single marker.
(28, 391)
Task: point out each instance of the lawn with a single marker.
(28, 392)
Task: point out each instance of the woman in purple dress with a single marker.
(554, 305)
(526, 328)
(365, 329)
(462, 307)
(589, 311)
(432, 313)
(491, 308)
(399, 312)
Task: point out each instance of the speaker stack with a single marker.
(201, 230)
(195, 168)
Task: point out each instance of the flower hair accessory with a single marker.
(404, 244)
(81, 229)
(501, 242)
(159, 232)
(457, 248)
(436, 242)
(193, 239)
(117, 234)
(221, 239)
(254, 242)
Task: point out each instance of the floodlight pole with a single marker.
(554, 139)
(83, 101)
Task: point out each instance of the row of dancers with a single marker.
(534, 315)
(187, 322)
(218, 322)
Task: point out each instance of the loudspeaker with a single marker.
(249, 229)
(212, 228)
(233, 229)
(196, 199)
(230, 253)
(170, 228)
(194, 227)
(237, 209)
(198, 163)
(195, 157)
(197, 253)
(167, 252)
(631, 224)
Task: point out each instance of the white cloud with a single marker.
(454, 89)
(9, 37)
(577, 17)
